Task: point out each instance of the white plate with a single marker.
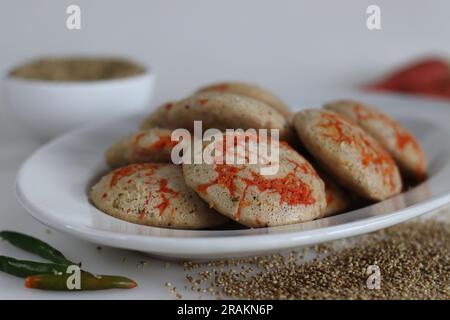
(53, 183)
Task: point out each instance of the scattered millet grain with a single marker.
(413, 259)
(173, 290)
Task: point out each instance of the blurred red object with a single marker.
(429, 76)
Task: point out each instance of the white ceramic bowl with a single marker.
(53, 185)
(48, 108)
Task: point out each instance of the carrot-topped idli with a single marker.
(252, 91)
(395, 138)
(220, 111)
(291, 194)
(153, 194)
(152, 145)
(349, 153)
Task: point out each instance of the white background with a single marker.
(287, 45)
(292, 47)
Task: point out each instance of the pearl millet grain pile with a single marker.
(413, 260)
(77, 69)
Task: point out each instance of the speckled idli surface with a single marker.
(292, 194)
(153, 194)
(152, 145)
(394, 137)
(337, 199)
(252, 91)
(350, 154)
(220, 111)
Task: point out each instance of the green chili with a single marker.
(87, 282)
(25, 268)
(35, 246)
(54, 276)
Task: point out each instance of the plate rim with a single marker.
(307, 237)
